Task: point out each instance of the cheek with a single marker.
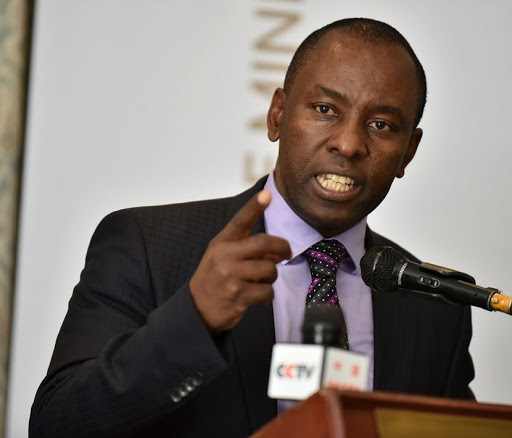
(381, 175)
(387, 162)
(293, 166)
(296, 147)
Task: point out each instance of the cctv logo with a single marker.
(296, 372)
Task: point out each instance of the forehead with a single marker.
(379, 70)
(343, 48)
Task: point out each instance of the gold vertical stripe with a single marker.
(15, 26)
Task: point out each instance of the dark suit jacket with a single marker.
(133, 357)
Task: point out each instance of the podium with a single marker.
(331, 413)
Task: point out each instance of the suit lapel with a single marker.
(253, 339)
(394, 331)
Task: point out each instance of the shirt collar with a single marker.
(280, 220)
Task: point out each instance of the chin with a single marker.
(332, 227)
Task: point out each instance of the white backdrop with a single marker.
(138, 102)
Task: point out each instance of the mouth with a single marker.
(334, 182)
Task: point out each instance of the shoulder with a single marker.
(185, 219)
(374, 239)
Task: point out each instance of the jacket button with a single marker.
(183, 391)
(176, 396)
(189, 384)
(197, 380)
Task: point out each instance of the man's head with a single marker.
(346, 122)
(368, 30)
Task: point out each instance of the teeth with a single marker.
(338, 183)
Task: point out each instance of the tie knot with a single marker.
(324, 257)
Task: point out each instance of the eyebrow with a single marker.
(329, 91)
(334, 94)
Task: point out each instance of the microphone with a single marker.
(299, 370)
(384, 269)
(325, 325)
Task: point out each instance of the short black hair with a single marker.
(368, 30)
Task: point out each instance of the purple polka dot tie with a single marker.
(324, 260)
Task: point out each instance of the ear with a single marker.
(414, 141)
(275, 113)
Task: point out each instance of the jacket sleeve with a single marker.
(123, 360)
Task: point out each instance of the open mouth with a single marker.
(336, 183)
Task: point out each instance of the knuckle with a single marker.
(268, 270)
(214, 244)
(261, 241)
(240, 308)
(223, 270)
(272, 275)
(233, 289)
(237, 221)
(266, 295)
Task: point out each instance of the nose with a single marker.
(348, 138)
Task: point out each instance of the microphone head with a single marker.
(377, 266)
(324, 325)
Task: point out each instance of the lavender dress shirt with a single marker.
(290, 288)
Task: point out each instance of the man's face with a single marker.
(345, 130)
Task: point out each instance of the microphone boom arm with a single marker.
(496, 301)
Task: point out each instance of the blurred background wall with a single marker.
(139, 102)
(15, 27)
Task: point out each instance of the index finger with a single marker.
(240, 225)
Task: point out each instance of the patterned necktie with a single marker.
(324, 260)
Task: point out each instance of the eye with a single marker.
(325, 110)
(380, 125)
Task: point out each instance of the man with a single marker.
(170, 329)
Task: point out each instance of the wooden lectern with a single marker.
(345, 414)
